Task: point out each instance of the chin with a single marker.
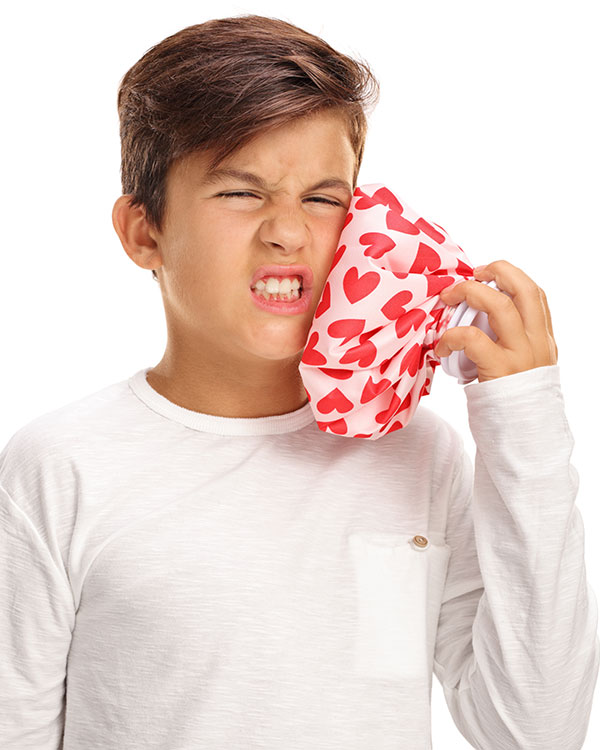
(281, 353)
(285, 357)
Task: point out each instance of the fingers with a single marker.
(477, 346)
(503, 315)
(530, 302)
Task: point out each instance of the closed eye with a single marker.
(245, 192)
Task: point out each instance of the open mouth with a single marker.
(287, 289)
(279, 297)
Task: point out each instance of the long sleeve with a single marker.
(36, 622)
(517, 650)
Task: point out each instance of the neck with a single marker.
(261, 389)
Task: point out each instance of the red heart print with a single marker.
(337, 374)
(335, 399)
(364, 201)
(384, 365)
(382, 196)
(410, 361)
(338, 427)
(365, 353)
(413, 319)
(378, 244)
(355, 287)
(435, 316)
(394, 408)
(325, 302)
(430, 231)
(382, 227)
(425, 387)
(393, 220)
(336, 258)
(384, 416)
(372, 389)
(435, 284)
(387, 198)
(426, 259)
(463, 269)
(311, 356)
(346, 329)
(394, 307)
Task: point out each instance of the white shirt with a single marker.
(176, 580)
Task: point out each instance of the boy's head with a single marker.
(215, 85)
(248, 92)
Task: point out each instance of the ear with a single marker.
(136, 233)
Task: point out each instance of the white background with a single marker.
(487, 124)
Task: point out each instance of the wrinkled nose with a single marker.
(285, 229)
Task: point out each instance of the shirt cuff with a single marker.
(513, 386)
(521, 415)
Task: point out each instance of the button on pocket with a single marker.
(420, 542)
(399, 583)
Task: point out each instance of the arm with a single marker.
(36, 621)
(517, 651)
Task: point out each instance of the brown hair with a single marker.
(217, 84)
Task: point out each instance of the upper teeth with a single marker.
(275, 285)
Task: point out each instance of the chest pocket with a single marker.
(399, 585)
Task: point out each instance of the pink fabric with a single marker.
(369, 353)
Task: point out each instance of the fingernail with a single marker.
(478, 269)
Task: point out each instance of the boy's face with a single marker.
(211, 245)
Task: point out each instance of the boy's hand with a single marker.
(523, 325)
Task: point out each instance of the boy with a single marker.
(187, 561)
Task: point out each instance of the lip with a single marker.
(295, 270)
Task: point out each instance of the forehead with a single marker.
(318, 146)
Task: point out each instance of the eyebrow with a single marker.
(217, 174)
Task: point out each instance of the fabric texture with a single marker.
(178, 581)
(369, 355)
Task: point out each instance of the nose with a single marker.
(285, 228)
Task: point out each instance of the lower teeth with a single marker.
(294, 295)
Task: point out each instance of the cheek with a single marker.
(205, 251)
(330, 237)
(327, 244)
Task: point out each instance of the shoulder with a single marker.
(429, 434)
(428, 446)
(49, 443)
